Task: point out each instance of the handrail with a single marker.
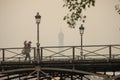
(108, 55)
(79, 46)
(70, 52)
(5, 53)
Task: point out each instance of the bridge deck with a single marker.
(98, 65)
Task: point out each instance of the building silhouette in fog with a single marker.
(60, 39)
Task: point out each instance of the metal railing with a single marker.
(90, 52)
(15, 54)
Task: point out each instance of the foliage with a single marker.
(76, 8)
(117, 8)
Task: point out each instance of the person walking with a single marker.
(27, 50)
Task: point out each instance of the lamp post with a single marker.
(81, 29)
(38, 19)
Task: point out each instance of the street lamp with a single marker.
(81, 29)
(38, 19)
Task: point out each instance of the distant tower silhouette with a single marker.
(61, 38)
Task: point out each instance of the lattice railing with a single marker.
(90, 52)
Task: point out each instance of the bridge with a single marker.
(61, 61)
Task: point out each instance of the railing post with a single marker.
(110, 52)
(41, 53)
(73, 53)
(34, 53)
(19, 59)
(3, 55)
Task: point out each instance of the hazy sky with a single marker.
(17, 23)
